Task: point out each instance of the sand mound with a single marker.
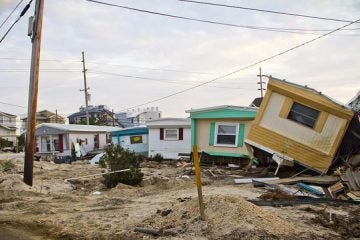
(13, 182)
(226, 216)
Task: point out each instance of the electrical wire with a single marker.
(26, 8)
(10, 104)
(147, 68)
(267, 11)
(2, 24)
(246, 67)
(283, 30)
(180, 82)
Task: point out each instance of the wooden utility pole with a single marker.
(85, 91)
(33, 94)
(261, 83)
(198, 182)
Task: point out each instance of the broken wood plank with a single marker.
(211, 173)
(336, 188)
(281, 203)
(250, 180)
(352, 196)
(151, 231)
(321, 180)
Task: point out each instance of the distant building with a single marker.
(43, 116)
(8, 127)
(137, 117)
(61, 139)
(169, 137)
(219, 132)
(135, 139)
(98, 115)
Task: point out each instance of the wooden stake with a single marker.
(33, 94)
(198, 182)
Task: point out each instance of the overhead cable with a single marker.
(247, 66)
(267, 11)
(164, 80)
(14, 105)
(5, 20)
(26, 8)
(284, 30)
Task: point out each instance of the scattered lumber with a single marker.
(250, 180)
(150, 231)
(281, 203)
(321, 180)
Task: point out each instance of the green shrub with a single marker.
(117, 158)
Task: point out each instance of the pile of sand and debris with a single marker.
(347, 225)
(226, 217)
(13, 182)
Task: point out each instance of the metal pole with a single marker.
(198, 182)
(33, 94)
(85, 90)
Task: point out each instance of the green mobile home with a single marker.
(220, 131)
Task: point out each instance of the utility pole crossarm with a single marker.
(261, 83)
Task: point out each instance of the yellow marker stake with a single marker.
(198, 181)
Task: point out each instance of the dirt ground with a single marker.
(166, 202)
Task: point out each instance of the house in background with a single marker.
(8, 127)
(297, 123)
(219, 132)
(169, 137)
(59, 139)
(98, 115)
(135, 139)
(43, 116)
(137, 117)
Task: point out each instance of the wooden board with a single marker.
(326, 180)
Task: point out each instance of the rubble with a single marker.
(165, 202)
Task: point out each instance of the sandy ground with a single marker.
(166, 201)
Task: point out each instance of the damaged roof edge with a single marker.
(313, 90)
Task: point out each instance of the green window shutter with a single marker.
(241, 135)
(212, 134)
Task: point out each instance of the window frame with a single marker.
(132, 142)
(217, 124)
(171, 129)
(314, 125)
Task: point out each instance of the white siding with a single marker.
(169, 149)
(322, 141)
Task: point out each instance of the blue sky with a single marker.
(173, 54)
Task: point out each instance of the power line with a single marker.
(20, 16)
(284, 30)
(11, 13)
(246, 67)
(267, 11)
(154, 69)
(164, 80)
(10, 104)
(42, 60)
